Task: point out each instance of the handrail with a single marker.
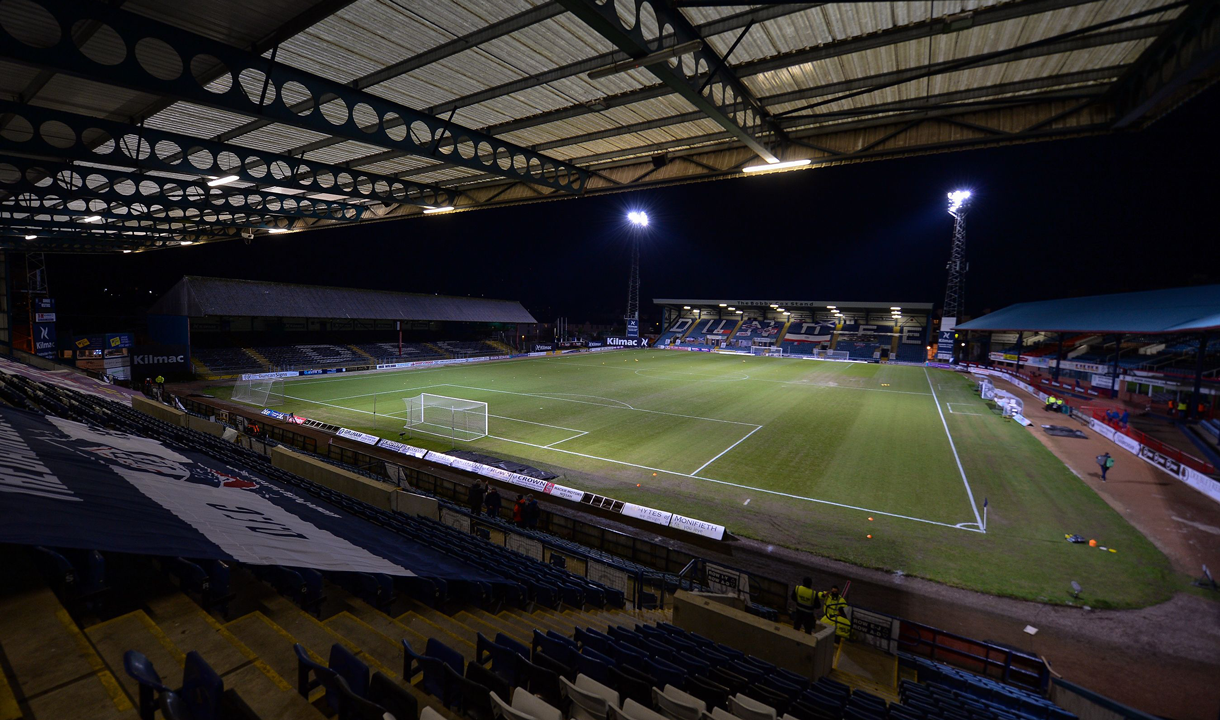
(1169, 451)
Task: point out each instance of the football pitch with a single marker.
(807, 454)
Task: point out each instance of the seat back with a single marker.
(533, 706)
(394, 698)
(439, 650)
(633, 710)
(503, 711)
(722, 714)
(173, 707)
(607, 693)
(323, 677)
(352, 670)
(202, 688)
(585, 705)
(748, 709)
(141, 669)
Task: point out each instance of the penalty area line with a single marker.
(978, 519)
(739, 485)
(722, 452)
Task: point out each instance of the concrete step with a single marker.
(540, 621)
(521, 627)
(385, 624)
(53, 669)
(136, 631)
(190, 628)
(490, 627)
(444, 630)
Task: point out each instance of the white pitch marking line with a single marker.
(613, 407)
(959, 412)
(977, 518)
(531, 422)
(722, 452)
(579, 434)
(733, 484)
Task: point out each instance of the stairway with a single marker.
(437, 349)
(863, 667)
(200, 368)
(782, 332)
(502, 347)
(258, 357)
(361, 353)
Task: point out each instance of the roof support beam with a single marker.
(1186, 55)
(488, 33)
(257, 87)
(178, 218)
(21, 175)
(721, 96)
(89, 139)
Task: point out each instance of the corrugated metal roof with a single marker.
(1178, 310)
(195, 296)
(841, 71)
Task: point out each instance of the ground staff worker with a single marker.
(807, 605)
(835, 613)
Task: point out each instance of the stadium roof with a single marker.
(1180, 310)
(202, 296)
(141, 124)
(816, 304)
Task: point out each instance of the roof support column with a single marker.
(1058, 357)
(1020, 347)
(1118, 349)
(987, 351)
(1196, 396)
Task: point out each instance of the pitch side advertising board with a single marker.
(627, 342)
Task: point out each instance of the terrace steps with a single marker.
(258, 357)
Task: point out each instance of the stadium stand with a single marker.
(151, 634)
(230, 361)
(223, 361)
(706, 329)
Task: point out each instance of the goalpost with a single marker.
(263, 393)
(832, 354)
(768, 351)
(448, 417)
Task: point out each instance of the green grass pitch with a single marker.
(794, 452)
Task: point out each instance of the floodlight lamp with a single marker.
(738, 312)
(639, 218)
(686, 307)
(724, 304)
(774, 305)
(768, 167)
(222, 180)
(957, 199)
(92, 219)
(277, 231)
(126, 252)
(787, 313)
(186, 242)
(30, 237)
(431, 210)
(830, 307)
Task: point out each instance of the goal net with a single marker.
(986, 389)
(769, 351)
(263, 393)
(449, 417)
(832, 354)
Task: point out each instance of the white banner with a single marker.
(1201, 482)
(660, 517)
(358, 436)
(1126, 443)
(698, 527)
(728, 581)
(1102, 429)
(270, 375)
(402, 448)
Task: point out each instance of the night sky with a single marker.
(1072, 217)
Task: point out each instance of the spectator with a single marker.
(1105, 462)
(518, 514)
(530, 513)
(807, 605)
(160, 384)
(1124, 418)
(492, 501)
(475, 498)
(1182, 408)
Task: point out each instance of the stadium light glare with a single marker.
(126, 252)
(768, 167)
(431, 210)
(831, 307)
(787, 313)
(186, 242)
(92, 219)
(724, 304)
(895, 307)
(774, 305)
(738, 312)
(957, 198)
(639, 218)
(686, 307)
(223, 180)
(30, 237)
(277, 231)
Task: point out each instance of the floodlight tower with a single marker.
(959, 205)
(639, 223)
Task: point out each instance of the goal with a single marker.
(263, 393)
(448, 417)
(832, 354)
(986, 389)
(769, 351)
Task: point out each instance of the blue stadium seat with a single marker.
(432, 668)
(140, 668)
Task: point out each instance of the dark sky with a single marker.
(1071, 217)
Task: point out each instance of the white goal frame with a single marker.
(448, 417)
(832, 354)
(769, 351)
(263, 392)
